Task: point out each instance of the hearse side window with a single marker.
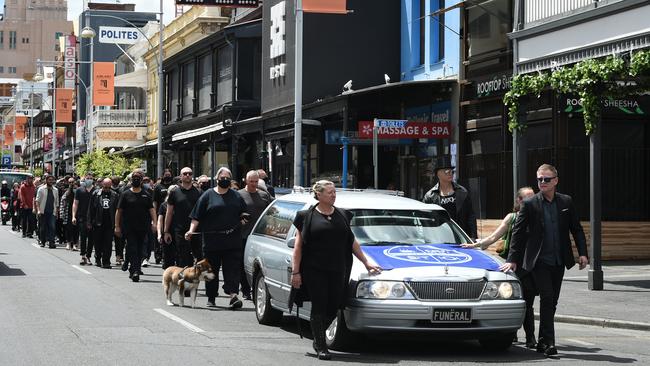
(277, 220)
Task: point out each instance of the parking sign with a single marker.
(6, 160)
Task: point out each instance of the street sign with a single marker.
(401, 129)
(6, 160)
(119, 35)
(223, 3)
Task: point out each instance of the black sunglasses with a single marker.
(545, 179)
(186, 173)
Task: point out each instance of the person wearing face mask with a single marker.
(136, 214)
(160, 192)
(180, 203)
(204, 183)
(101, 216)
(79, 217)
(47, 198)
(119, 242)
(220, 213)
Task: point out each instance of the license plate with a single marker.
(452, 315)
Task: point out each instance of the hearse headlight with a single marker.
(503, 290)
(383, 290)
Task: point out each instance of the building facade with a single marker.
(30, 30)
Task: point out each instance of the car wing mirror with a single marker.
(291, 242)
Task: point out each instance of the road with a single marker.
(55, 312)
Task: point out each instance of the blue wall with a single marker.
(434, 67)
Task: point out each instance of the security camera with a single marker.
(347, 86)
(387, 78)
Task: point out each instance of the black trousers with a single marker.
(135, 242)
(28, 221)
(230, 259)
(326, 290)
(85, 239)
(103, 240)
(184, 250)
(119, 246)
(169, 253)
(529, 291)
(71, 233)
(548, 280)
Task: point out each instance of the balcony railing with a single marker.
(536, 10)
(120, 118)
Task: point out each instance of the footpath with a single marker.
(623, 303)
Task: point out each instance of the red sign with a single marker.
(406, 130)
(325, 6)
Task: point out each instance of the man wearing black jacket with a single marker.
(541, 245)
(101, 215)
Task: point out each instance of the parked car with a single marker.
(429, 284)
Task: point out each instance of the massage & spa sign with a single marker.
(403, 129)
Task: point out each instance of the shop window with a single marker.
(488, 26)
(2, 40)
(173, 95)
(188, 88)
(224, 75)
(205, 87)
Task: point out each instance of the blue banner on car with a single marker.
(453, 255)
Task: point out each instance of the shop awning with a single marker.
(197, 132)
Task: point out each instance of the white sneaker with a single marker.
(145, 263)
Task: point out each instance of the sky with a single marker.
(75, 7)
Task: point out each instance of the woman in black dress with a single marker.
(322, 260)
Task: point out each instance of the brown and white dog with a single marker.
(186, 279)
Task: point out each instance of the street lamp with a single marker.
(89, 33)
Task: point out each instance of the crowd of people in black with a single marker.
(180, 219)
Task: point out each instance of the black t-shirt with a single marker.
(183, 201)
(449, 204)
(256, 203)
(83, 197)
(135, 210)
(328, 245)
(105, 202)
(160, 193)
(219, 217)
(162, 210)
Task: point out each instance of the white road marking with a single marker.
(80, 269)
(182, 322)
(577, 341)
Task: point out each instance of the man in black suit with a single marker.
(541, 245)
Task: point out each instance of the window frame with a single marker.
(258, 231)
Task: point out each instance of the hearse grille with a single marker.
(425, 290)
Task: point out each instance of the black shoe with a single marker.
(324, 355)
(52, 246)
(24, 235)
(530, 342)
(550, 351)
(135, 278)
(235, 303)
(98, 263)
(140, 272)
(541, 346)
(42, 245)
(125, 266)
(211, 304)
(248, 297)
(107, 266)
(31, 236)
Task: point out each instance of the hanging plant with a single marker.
(591, 79)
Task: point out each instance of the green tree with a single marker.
(102, 164)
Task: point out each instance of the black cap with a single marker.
(442, 162)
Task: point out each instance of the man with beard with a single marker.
(47, 198)
(136, 214)
(101, 216)
(180, 203)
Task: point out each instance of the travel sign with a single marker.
(401, 129)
